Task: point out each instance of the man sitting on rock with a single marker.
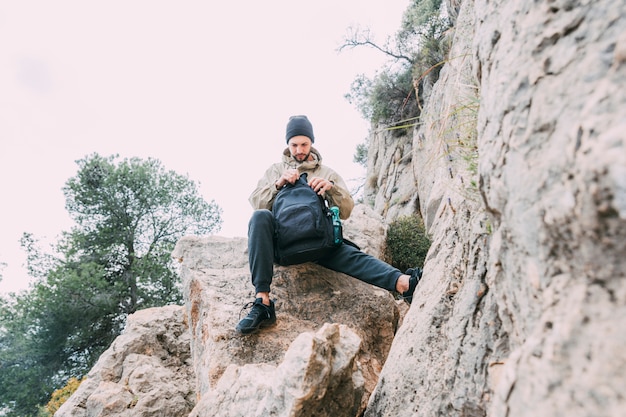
(300, 157)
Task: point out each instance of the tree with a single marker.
(358, 37)
(360, 156)
(388, 99)
(394, 96)
(116, 260)
(129, 218)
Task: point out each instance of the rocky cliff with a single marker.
(519, 171)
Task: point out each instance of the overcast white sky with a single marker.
(205, 87)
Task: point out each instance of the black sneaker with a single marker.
(416, 275)
(259, 316)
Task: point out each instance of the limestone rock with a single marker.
(554, 178)
(145, 372)
(518, 168)
(367, 229)
(216, 282)
(317, 377)
(389, 168)
(524, 288)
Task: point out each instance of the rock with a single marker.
(519, 171)
(524, 287)
(388, 168)
(318, 376)
(146, 371)
(322, 358)
(216, 282)
(367, 229)
(553, 169)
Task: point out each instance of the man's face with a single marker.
(300, 148)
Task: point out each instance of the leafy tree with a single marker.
(116, 260)
(416, 22)
(129, 217)
(394, 96)
(389, 98)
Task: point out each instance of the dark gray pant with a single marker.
(346, 258)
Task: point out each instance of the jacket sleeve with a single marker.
(265, 192)
(340, 196)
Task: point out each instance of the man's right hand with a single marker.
(289, 176)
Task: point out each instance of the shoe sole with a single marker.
(264, 324)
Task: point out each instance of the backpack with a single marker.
(304, 225)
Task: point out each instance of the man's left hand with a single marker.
(320, 185)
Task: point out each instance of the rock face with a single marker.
(321, 359)
(520, 168)
(318, 376)
(390, 187)
(554, 175)
(146, 372)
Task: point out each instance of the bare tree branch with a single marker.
(363, 38)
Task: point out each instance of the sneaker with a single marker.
(259, 316)
(416, 275)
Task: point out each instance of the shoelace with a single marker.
(245, 307)
(250, 305)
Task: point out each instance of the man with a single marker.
(298, 158)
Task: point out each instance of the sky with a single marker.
(205, 87)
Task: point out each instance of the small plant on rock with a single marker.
(407, 243)
(61, 395)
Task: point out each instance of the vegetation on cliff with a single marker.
(407, 242)
(395, 95)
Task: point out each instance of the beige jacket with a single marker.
(263, 196)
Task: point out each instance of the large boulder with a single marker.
(146, 372)
(318, 376)
(331, 340)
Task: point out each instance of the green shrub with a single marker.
(394, 96)
(388, 98)
(407, 243)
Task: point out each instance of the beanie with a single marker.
(299, 125)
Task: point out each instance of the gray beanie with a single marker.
(299, 125)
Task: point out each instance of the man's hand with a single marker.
(320, 185)
(289, 176)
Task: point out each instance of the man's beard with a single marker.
(306, 157)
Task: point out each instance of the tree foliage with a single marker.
(389, 98)
(116, 260)
(395, 95)
(360, 156)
